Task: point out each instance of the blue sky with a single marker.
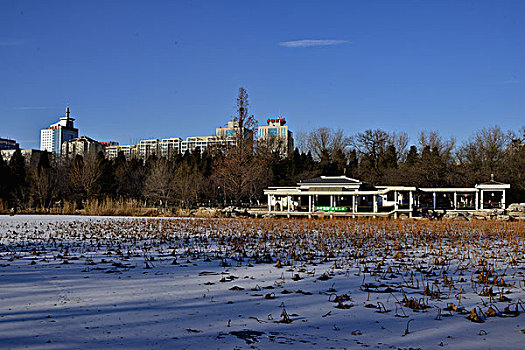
(142, 69)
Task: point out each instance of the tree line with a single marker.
(237, 175)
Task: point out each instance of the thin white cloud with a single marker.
(29, 108)
(10, 42)
(311, 43)
(513, 81)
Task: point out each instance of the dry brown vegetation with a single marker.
(98, 207)
(475, 269)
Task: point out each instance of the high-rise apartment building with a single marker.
(201, 143)
(228, 132)
(51, 138)
(147, 148)
(129, 151)
(232, 131)
(276, 136)
(170, 147)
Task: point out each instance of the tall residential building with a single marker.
(6, 144)
(228, 132)
(277, 136)
(203, 142)
(170, 147)
(129, 151)
(51, 138)
(232, 131)
(81, 146)
(147, 148)
(224, 137)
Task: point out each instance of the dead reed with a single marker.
(472, 269)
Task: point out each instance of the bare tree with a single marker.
(514, 168)
(432, 140)
(400, 141)
(319, 141)
(186, 184)
(236, 174)
(325, 139)
(239, 168)
(246, 124)
(372, 143)
(85, 173)
(259, 178)
(377, 153)
(338, 142)
(484, 153)
(159, 181)
(301, 141)
(44, 185)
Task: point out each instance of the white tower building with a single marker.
(51, 138)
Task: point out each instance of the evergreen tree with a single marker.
(17, 183)
(43, 162)
(412, 156)
(326, 166)
(106, 184)
(4, 179)
(353, 164)
(339, 162)
(44, 182)
(296, 166)
(389, 158)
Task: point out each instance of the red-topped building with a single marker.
(276, 135)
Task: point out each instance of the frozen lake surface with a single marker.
(142, 283)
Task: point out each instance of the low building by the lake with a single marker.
(341, 194)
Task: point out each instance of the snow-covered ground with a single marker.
(98, 282)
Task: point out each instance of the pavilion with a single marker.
(344, 195)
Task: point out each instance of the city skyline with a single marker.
(132, 71)
(62, 139)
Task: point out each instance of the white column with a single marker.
(410, 200)
(503, 200)
(455, 200)
(477, 200)
(434, 199)
(331, 200)
(269, 204)
(353, 205)
(395, 200)
(288, 203)
(481, 201)
(310, 206)
(374, 201)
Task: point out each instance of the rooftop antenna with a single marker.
(67, 111)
